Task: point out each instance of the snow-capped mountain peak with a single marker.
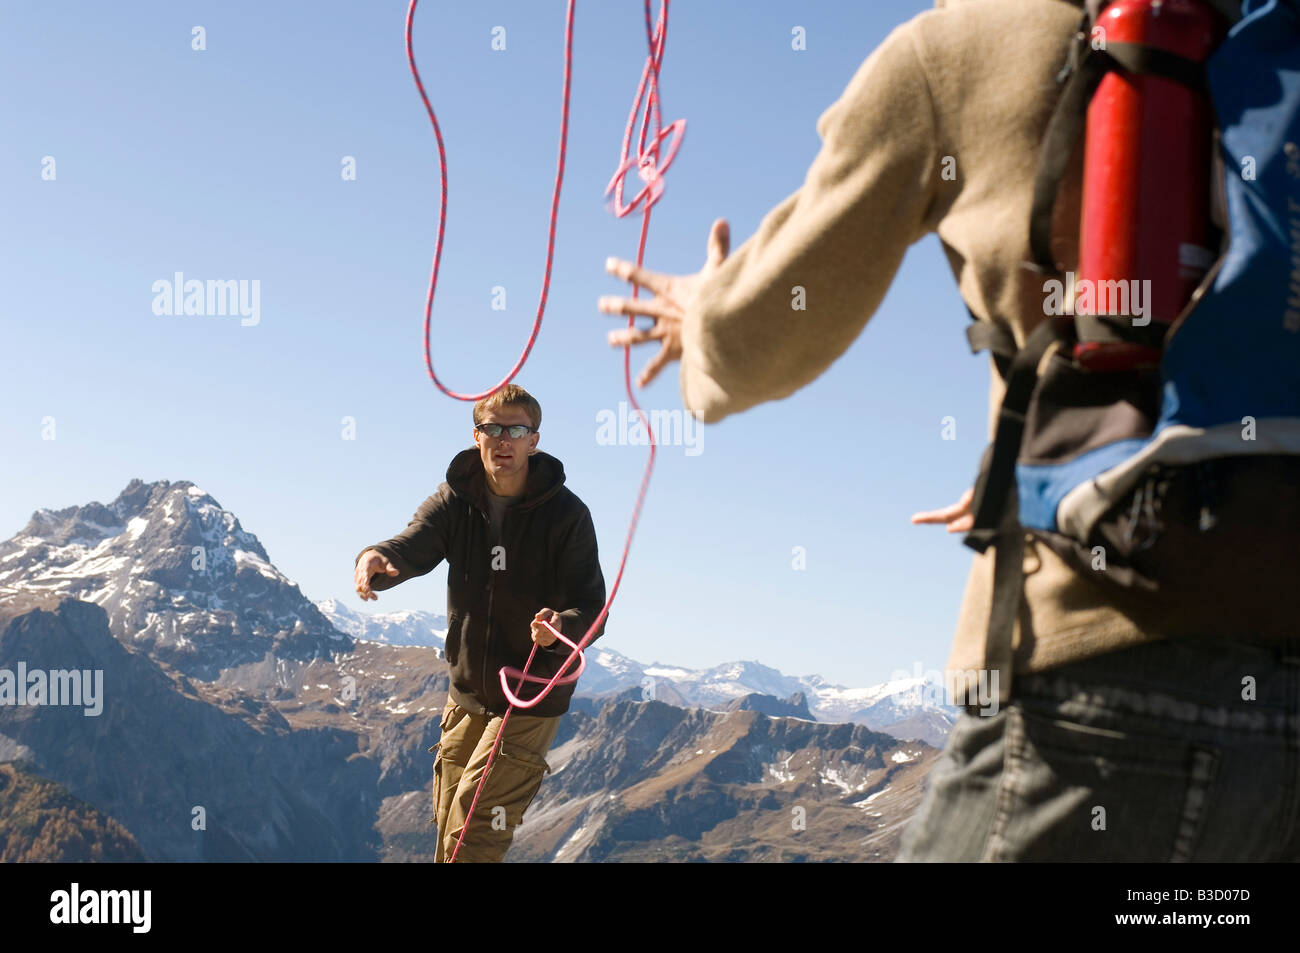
(177, 574)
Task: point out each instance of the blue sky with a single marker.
(225, 164)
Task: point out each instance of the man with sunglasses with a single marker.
(521, 550)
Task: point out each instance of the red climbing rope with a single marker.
(650, 170)
(442, 210)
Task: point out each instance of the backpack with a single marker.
(1173, 486)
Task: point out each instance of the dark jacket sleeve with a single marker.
(418, 548)
(584, 584)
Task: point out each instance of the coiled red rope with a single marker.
(647, 163)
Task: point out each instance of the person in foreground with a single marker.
(1130, 734)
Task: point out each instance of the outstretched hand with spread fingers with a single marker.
(673, 297)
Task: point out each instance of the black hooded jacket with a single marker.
(548, 560)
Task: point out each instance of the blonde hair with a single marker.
(514, 396)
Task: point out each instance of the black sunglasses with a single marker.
(494, 430)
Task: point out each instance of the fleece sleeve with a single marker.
(796, 294)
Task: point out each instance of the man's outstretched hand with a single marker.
(673, 296)
(372, 561)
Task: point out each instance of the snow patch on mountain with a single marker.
(398, 627)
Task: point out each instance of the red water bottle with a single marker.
(1146, 180)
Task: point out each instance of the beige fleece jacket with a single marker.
(967, 87)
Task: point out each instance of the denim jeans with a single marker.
(1152, 753)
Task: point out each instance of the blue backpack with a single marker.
(1174, 486)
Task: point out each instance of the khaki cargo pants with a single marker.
(512, 783)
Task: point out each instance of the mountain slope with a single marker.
(643, 780)
(41, 822)
(164, 746)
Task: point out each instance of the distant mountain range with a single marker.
(400, 627)
(905, 707)
(241, 721)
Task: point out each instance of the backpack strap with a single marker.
(995, 503)
(994, 338)
(1119, 328)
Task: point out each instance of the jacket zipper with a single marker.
(492, 585)
(487, 635)
(492, 582)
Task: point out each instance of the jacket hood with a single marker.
(467, 478)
